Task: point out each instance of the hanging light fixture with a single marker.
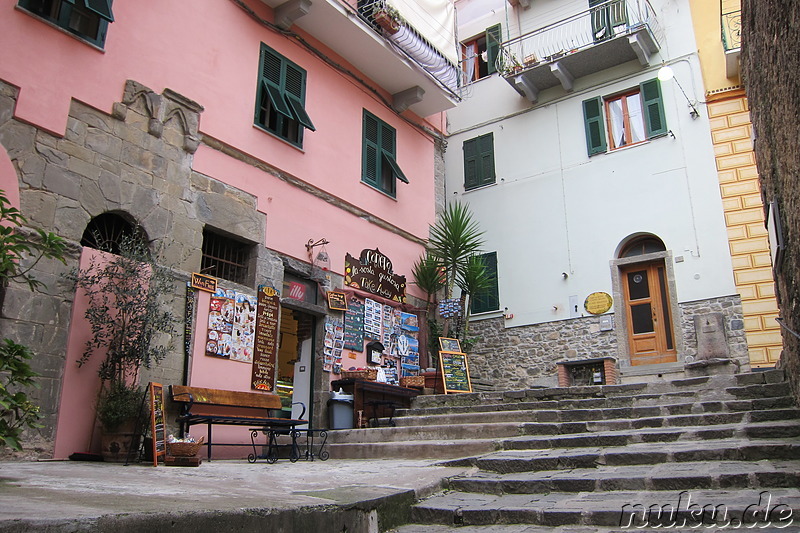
(665, 74)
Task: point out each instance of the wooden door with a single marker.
(650, 329)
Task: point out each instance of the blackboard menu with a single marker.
(265, 346)
(157, 421)
(455, 372)
(354, 326)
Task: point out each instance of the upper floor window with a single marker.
(281, 96)
(479, 161)
(624, 119)
(379, 166)
(88, 19)
(479, 55)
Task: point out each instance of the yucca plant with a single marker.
(472, 278)
(454, 238)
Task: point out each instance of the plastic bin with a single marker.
(340, 410)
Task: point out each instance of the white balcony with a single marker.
(604, 36)
(417, 74)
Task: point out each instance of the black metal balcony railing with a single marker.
(732, 30)
(586, 29)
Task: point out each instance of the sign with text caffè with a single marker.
(372, 272)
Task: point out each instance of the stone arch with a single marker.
(106, 231)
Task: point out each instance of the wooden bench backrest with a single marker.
(200, 395)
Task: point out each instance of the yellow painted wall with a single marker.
(731, 132)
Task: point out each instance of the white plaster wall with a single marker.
(554, 209)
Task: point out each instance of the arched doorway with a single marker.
(647, 301)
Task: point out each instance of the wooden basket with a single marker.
(370, 374)
(412, 381)
(184, 449)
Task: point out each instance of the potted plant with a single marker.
(387, 17)
(127, 317)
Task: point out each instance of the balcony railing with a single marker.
(732, 30)
(405, 38)
(587, 29)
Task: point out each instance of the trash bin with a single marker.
(340, 410)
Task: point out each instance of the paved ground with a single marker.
(334, 495)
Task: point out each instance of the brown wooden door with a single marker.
(650, 329)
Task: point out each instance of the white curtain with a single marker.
(617, 120)
(636, 118)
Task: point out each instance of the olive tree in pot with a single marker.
(130, 327)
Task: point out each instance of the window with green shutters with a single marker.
(489, 298)
(479, 54)
(624, 119)
(479, 161)
(379, 166)
(280, 99)
(87, 19)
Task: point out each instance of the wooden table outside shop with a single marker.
(373, 398)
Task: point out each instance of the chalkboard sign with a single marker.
(157, 421)
(337, 301)
(354, 326)
(455, 372)
(265, 348)
(449, 345)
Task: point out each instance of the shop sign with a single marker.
(297, 291)
(204, 283)
(337, 301)
(598, 303)
(265, 349)
(372, 272)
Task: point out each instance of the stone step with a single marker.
(679, 510)
(624, 428)
(664, 476)
(644, 453)
(733, 410)
(750, 385)
(756, 430)
(411, 449)
(526, 528)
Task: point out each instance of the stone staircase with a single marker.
(694, 454)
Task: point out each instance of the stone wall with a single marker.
(137, 162)
(770, 63)
(526, 356)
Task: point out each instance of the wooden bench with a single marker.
(230, 408)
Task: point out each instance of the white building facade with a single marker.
(596, 186)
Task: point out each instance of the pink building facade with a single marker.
(235, 134)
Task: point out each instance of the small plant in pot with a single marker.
(128, 317)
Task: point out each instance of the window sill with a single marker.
(485, 315)
(278, 137)
(374, 188)
(480, 187)
(66, 32)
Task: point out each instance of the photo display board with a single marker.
(455, 372)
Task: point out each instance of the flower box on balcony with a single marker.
(387, 20)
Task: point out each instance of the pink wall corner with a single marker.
(75, 430)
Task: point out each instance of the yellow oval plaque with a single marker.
(598, 303)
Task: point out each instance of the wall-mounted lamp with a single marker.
(665, 73)
(564, 275)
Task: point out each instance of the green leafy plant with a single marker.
(471, 279)
(17, 412)
(19, 255)
(118, 404)
(126, 314)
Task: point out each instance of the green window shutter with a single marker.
(271, 78)
(595, 129)
(294, 93)
(493, 38)
(486, 147)
(471, 167)
(370, 163)
(653, 105)
(101, 8)
(489, 298)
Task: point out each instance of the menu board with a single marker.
(157, 421)
(455, 372)
(354, 326)
(265, 349)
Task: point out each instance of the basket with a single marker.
(184, 449)
(370, 374)
(412, 381)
